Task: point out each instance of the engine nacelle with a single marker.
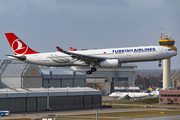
(110, 63)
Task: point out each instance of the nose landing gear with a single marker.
(160, 63)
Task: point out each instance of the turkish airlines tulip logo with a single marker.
(19, 47)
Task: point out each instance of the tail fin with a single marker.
(18, 47)
(149, 89)
(72, 49)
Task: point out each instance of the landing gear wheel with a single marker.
(159, 65)
(93, 69)
(88, 72)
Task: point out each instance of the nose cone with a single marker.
(174, 53)
(111, 95)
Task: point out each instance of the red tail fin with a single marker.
(18, 47)
(59, 49)
(72, 49)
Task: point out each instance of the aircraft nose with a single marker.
(175, 53)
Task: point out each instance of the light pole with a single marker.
(85, 88)
(96, 113)
(6, 92)
(27, 89)
(67, 87)
(48, 90)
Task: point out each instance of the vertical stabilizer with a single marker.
(18, 47)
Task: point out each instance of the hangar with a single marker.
(28, 87)
(41, 99)
(15, 74)
(41, 88)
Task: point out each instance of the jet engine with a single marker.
(110, 63)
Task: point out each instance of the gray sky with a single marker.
(44, 24)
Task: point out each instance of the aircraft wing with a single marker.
(82, 57)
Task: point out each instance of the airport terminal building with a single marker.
(28, 87)
(121, 76)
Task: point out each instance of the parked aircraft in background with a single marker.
(111, 57)
(72, 49)
(131, 95)
(155, 93)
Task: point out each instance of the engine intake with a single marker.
(110, 63)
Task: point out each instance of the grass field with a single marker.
(117, 115)
(136, 114)
(150, 103)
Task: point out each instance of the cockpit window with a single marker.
(170, 49)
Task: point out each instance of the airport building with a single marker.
(28, 87)
(169, 96)
(175, 78)
(15, 74)
(41, 99)
(126, 89)
(121, 76)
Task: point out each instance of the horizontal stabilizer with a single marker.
(22, 57)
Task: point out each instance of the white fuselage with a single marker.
(131, 54)
(130, 94)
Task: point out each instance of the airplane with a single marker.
(131, 95)
(155, 93)
(109, 58)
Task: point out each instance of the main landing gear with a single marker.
(160, 63)
(93, 69)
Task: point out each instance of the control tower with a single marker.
(166, 41)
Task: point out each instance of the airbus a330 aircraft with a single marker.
(131, 95)
(112, 57)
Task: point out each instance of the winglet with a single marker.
(72, 49)
(59, 49)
